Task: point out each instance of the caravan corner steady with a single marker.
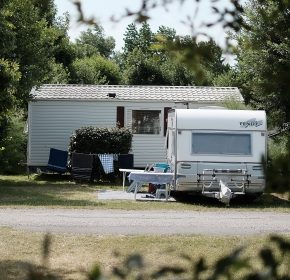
(217, 152)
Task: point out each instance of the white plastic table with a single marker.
(125, 171)
(140, 178)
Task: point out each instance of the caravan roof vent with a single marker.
(112, 95)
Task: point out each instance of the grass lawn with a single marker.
(61, 191)
(73, 255)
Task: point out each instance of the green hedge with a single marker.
(13, 144)
(95, 140)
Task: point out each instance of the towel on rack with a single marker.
(107, 161)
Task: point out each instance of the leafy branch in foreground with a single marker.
(274, 260)
(230, 15)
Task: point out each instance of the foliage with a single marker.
(9, 77)
(277, 146)
(94, 70)
(13, 146)
(203, 59)
(278, 167)
(177, 74)
(233, 104)
(131, 38)
(93, 42)
(228, 78)
(30, 39)
(163, 58)
(263, 55)
(141, 70)
(229, 15)
(93, 140)
(35, 35)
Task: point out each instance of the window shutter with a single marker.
(166, 109)
(120, 116)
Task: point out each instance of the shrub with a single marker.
(94, 140)
(13, 146)
(278, 164)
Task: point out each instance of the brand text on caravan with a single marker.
(251, 123)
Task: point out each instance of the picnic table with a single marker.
(139, 178)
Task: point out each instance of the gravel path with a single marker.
(104, 222)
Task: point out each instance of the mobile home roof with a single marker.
(136, 93)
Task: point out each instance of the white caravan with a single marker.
(217, 152)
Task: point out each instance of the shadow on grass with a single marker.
(263, 202)
(67, 178)
(23, 180)
(45, 196)
(52, 202)
(52, 178)
(11, 270)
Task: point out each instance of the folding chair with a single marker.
(57, 161)
(82, 166)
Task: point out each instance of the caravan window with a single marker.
(221, 143)
(146, 121)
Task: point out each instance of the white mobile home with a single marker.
(56, 111)
(210, 147)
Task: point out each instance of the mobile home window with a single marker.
(146, 121)
(221, 143)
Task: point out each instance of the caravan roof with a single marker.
(213, 119)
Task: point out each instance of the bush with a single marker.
(13, 146)
(278, 164)
(94, 140)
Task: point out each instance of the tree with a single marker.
(145, 38)
(9, 69)
(166, 32)
(34, 36)
(94, 70)
(177, 73)
(151, 57)
(9, 77)
(130, 39)
(263, 55)
(140, 65)
(30, 36)
(142, 70)
(203, 59)
(13, 150)
(93, 42)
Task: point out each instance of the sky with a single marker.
(102, 10)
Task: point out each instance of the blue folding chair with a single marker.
(57, 161)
